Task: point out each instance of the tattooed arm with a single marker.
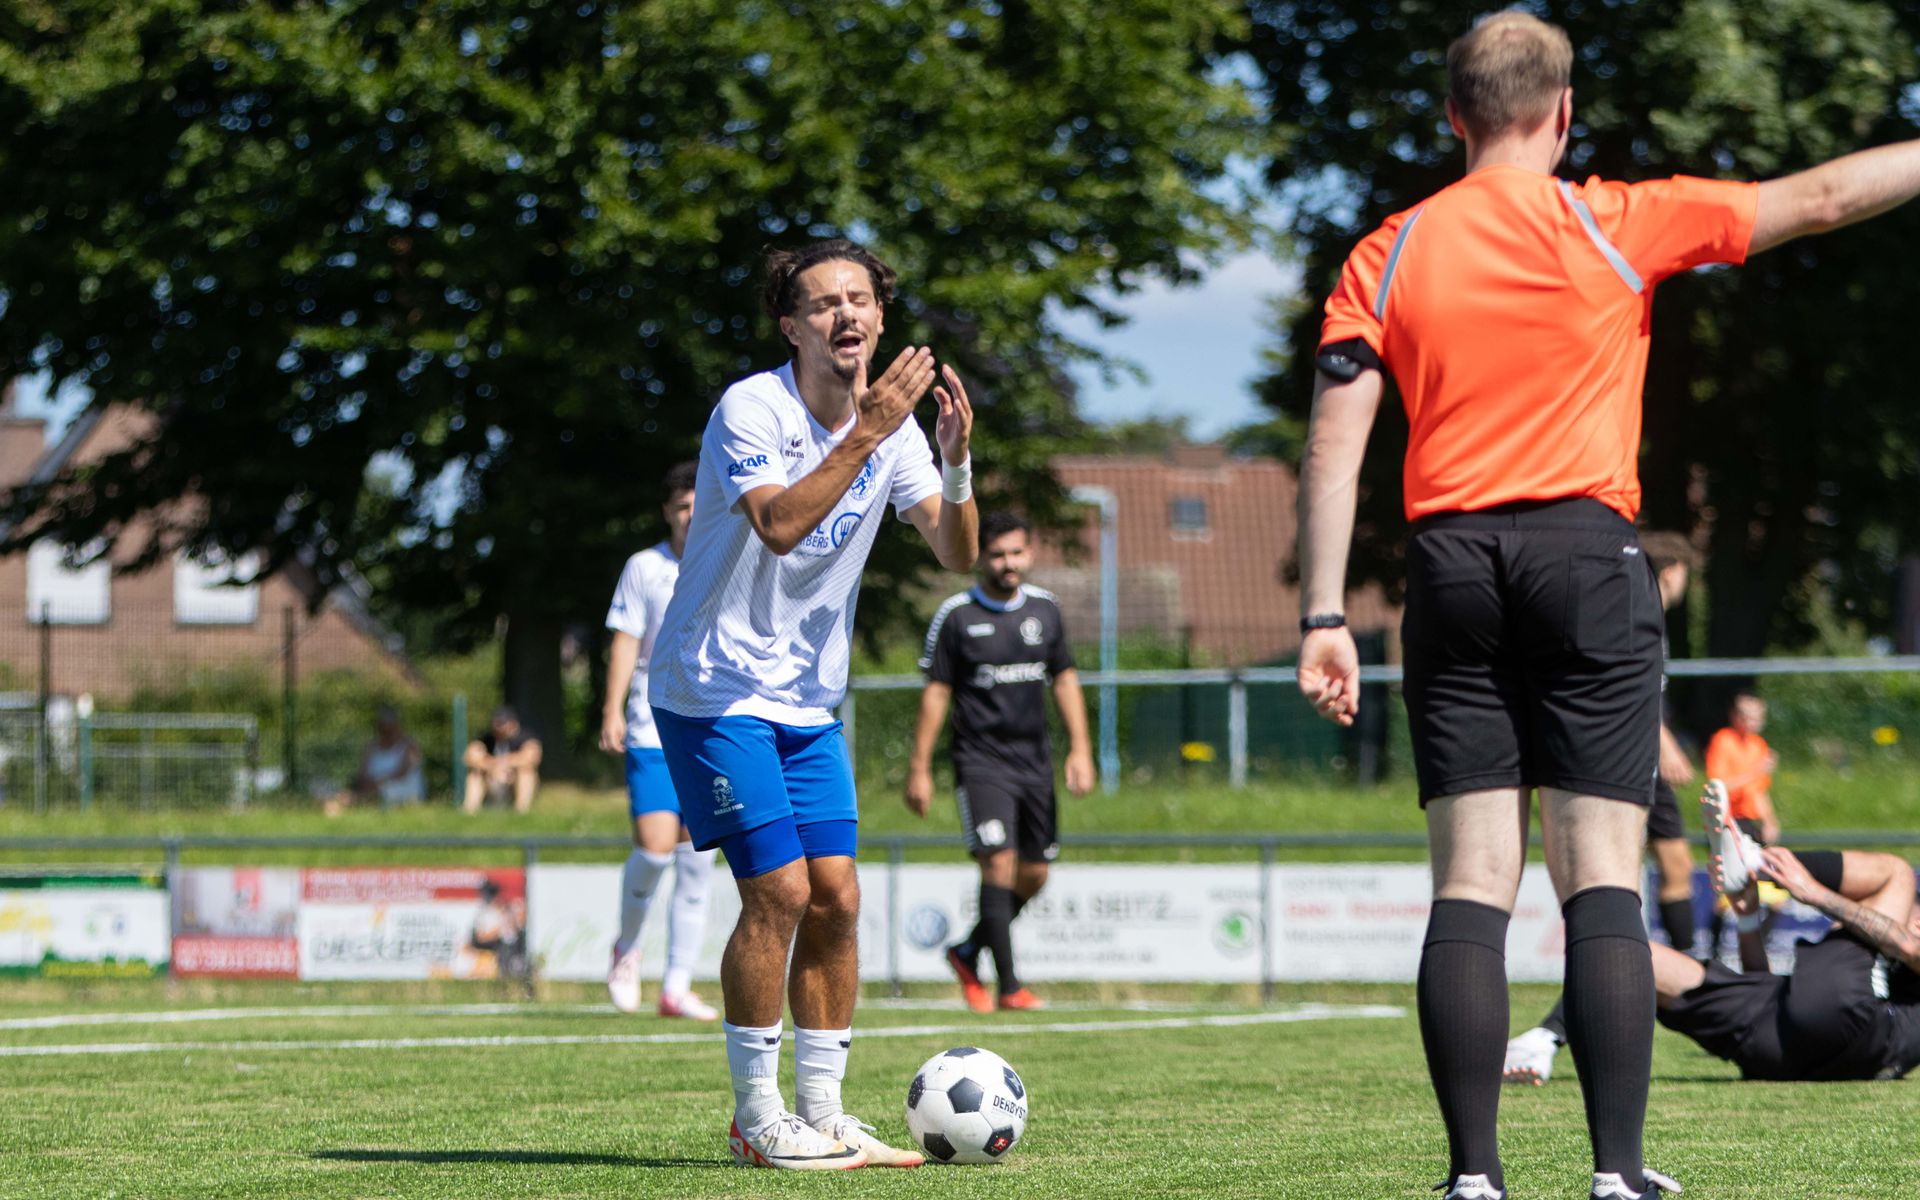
(1890, 935)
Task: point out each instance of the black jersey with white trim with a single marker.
(999, 660)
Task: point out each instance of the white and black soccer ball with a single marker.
(966, 1106)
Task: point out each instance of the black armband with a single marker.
(1343, 361)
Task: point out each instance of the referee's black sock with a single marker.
(995, 932)
(1676, 917)
(1610, 1002)
(1463, 1023)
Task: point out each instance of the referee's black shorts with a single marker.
(1533, 652)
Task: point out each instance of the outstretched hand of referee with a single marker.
(1329, 674)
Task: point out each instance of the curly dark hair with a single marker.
(784, 268)
(682, 477)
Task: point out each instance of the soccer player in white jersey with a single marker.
(626, 728)
(797, 469)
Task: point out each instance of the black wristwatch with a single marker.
(1322, 621)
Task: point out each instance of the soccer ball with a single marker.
(966, 1106)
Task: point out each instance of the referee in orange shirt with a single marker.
(1512, 309)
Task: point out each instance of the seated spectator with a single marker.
(503, 762)
(389, 768)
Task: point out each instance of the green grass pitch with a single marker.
(1172, 1105)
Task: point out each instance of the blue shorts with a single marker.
(649, 784)
(735, 775)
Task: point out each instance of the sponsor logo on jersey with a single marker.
(1030, 631)
(983, 629)
(843, 527)
(793, 449)
(985, 676)
(724, 801)
(750, 463)
(864, 484)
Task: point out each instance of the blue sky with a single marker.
(1200, 347)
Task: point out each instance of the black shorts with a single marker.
(1663, 819)
(997, 812)
(1822, 1022)
(1533, 652)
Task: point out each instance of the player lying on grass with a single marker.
(1850, 1009)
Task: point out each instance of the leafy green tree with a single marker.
(1779, 406)
(435, 290)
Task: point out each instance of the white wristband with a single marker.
(956, 481)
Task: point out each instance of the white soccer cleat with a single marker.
(623, 978)
(1472, 1187)
(1608, 1185)
(790, 1144)
(1530, 1057)
(687, 1005)
(1736, 857)
(854, 1132)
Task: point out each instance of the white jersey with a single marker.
(750, 632)
(639, 604)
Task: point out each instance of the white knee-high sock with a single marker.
(638, 881)
(821, 1055)
(753, 1059)
(687, 917)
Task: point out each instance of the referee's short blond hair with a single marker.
(1507, 72)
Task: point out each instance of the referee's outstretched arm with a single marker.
(1337, 430)
(1832, 195)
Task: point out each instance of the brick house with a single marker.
(111, 632)
(1206, 540)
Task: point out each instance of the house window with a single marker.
(1188, 515)
(205, 594)
(65, 594)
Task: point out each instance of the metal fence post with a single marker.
(83, 732)
(896, 855)
(42, 737)
(1237, 732)
(459, 748)
(253, 762)
(289, 704)
(1267, 931)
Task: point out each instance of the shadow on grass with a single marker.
(530, 1158)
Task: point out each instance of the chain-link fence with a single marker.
(132, 704)
(1230, 727)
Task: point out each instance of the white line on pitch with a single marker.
(1304, 1012)
(323, 1011)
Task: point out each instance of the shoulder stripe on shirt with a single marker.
(1040, 593)
(1608, 250)
(939, 619)
(1393, 264)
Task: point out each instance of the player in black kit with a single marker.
(1851, 1007)
(991, 652)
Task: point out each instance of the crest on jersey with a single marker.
(843, 527)
(1030, 631)
(724, 800)
(864, 484)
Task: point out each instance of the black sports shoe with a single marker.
(1471, 1187)
(1609, 1186)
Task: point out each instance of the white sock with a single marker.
(639, 879)
(687, 916)
(753, 1059)
(822, 1058)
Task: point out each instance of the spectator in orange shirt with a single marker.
(1740, 758)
